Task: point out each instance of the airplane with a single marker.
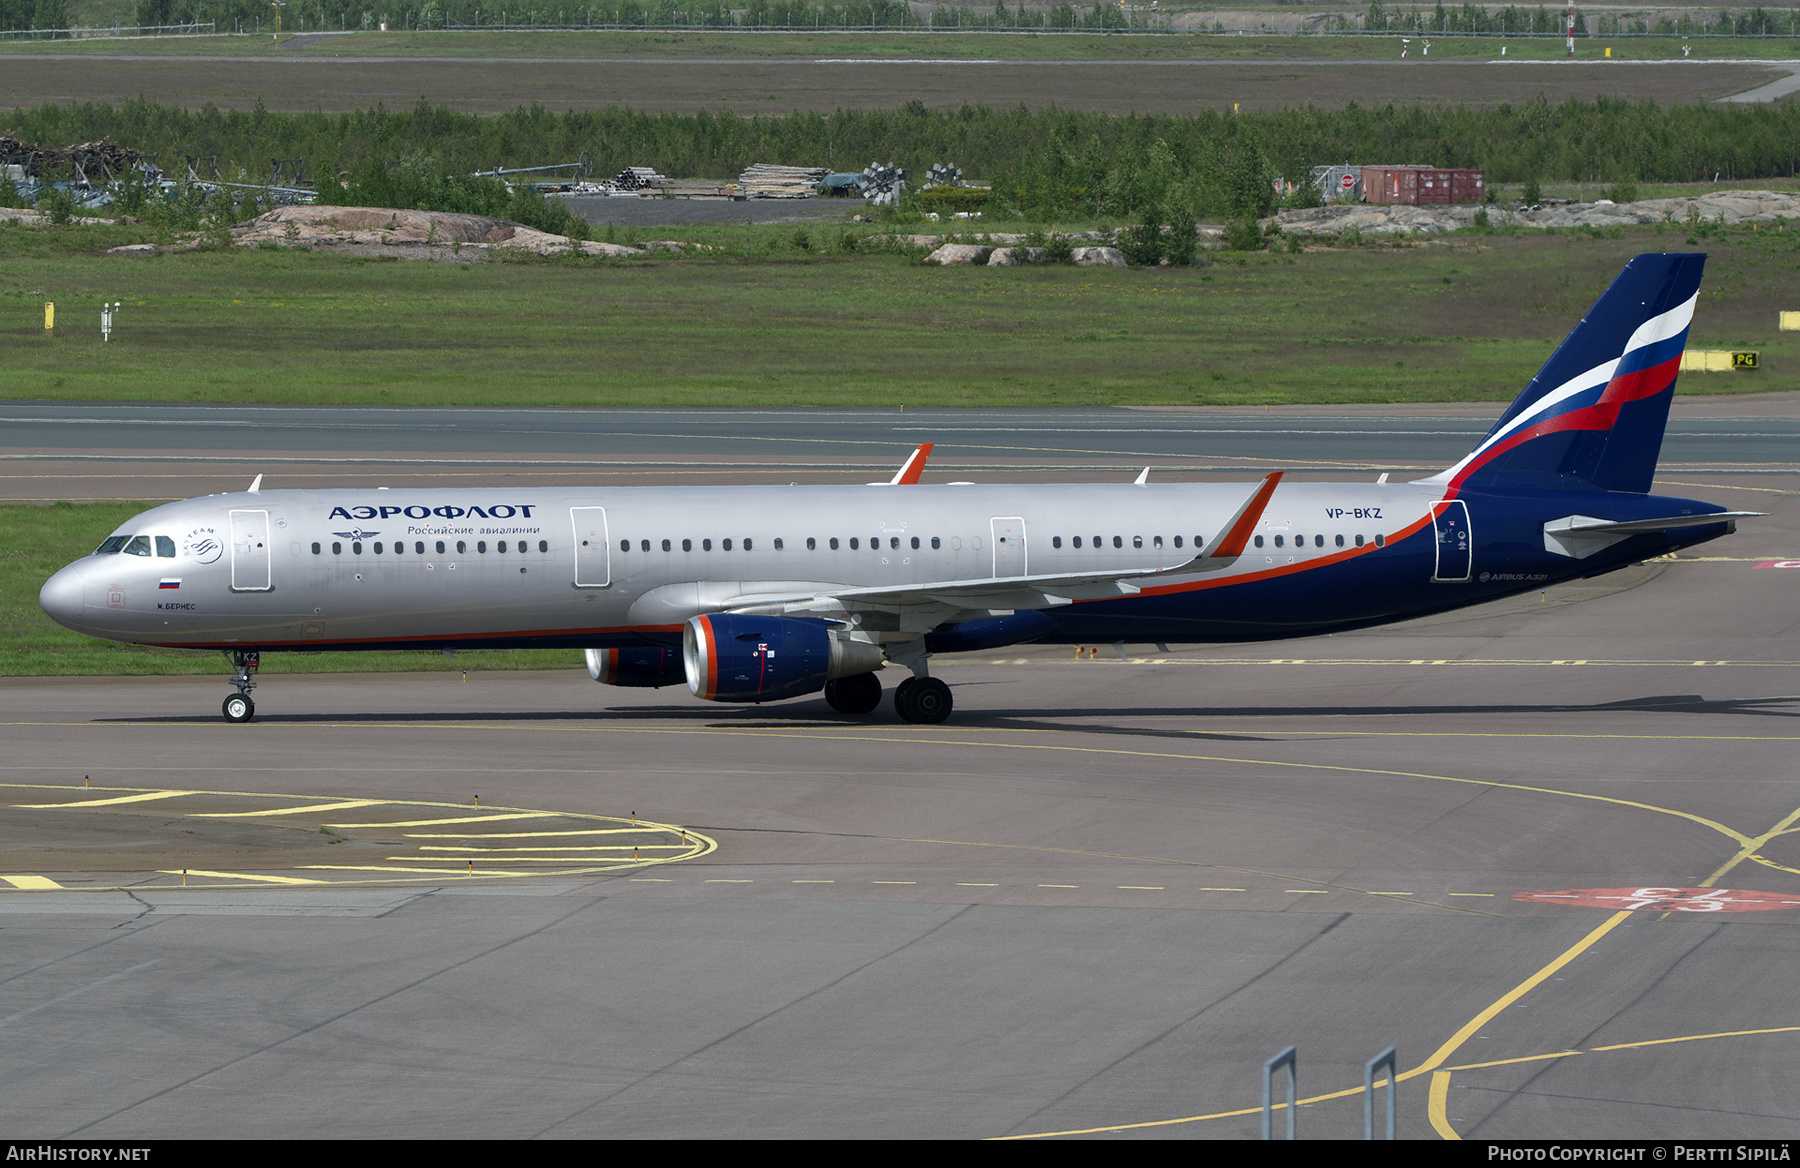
(764, 593)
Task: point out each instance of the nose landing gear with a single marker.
(238, 707)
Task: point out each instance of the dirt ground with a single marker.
(749, 87)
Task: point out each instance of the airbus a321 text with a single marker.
(756, 594)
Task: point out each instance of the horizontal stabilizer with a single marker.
(1580, 536)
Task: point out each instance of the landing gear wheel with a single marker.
(857, 694)
(238, 708)
(903, 696)
(923, 700)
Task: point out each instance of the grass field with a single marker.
(764, 322)
(778, 74)
(39, 540)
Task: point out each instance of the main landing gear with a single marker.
(238, 707)
(917, 699)
(858, 694)
(923, 700)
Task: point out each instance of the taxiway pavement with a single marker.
(1099, 897)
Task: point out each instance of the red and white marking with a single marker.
(1778, 564)
(1708, 900)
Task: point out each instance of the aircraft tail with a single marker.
(1594, 414)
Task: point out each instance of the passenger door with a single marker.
(1455, 548)
(250, 551)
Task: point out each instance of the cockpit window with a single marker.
(139, 546)
(165, 548)
(113, 546)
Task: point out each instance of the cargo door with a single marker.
(250, 551)
(1455, 549)
(1009, 546)
(593, 555)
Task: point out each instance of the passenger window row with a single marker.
(418, 548)
(812, 544)
(1319, 541)
(1118, 541)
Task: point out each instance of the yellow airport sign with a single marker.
(1717, 360)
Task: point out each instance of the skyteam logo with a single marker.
(356, 533)
(203, 544)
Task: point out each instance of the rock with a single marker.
(1003, 257)
(329, 225)
(959, 253)
(1730, 207)
(1099, 257)
(133, 249)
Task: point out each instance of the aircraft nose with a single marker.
(62, 595)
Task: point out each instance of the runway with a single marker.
(1092, 904)
(316, 80)
(112, 451)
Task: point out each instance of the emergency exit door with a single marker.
(1008, 533)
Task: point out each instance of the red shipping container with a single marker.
(1467, 186)
(1434, 186)
(1390, 184)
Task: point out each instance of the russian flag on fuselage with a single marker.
(1595, 412)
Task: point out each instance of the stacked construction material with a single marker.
(765, 180)
(944, 174)
(882, 183)
(97, 161)
(637, 178)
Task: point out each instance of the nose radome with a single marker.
(62, 594)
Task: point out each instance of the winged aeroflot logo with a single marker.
(357, 533)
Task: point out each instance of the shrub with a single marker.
(1142, 245)
(1059, 250)
(1183, 246)
(1243, 235)
(949, 200)
(9, 193)
(55, 205)
(1303, 195)
(801, 239)
(1532, 193)
(1623, 191)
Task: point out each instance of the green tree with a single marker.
(50, 14)
(1249, 181)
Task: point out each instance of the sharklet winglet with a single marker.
(912, 468)
(1237, 532)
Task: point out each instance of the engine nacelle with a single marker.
(730, 658)
(645, 667)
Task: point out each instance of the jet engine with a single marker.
(646, 667)
(731, 658)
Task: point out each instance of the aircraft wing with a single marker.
(943, 600)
